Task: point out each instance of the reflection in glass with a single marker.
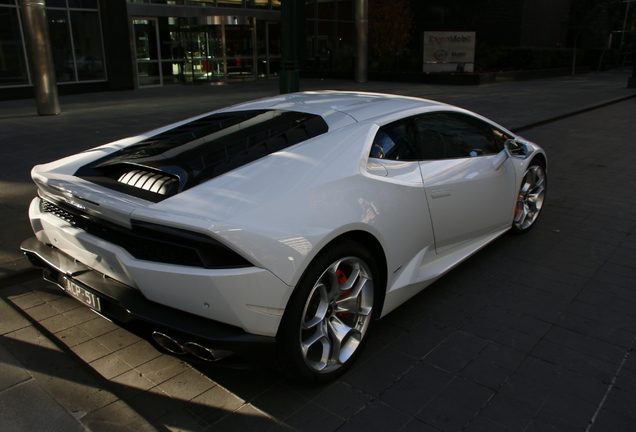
(12, 63)
(230, 3)
(147, 54)
(83, 4)
(196, 52)
(88, 45)
(148, 73)
(61, 45)
(55, 3)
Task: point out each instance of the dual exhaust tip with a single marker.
(204, 353)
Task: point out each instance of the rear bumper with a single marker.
(126, 305)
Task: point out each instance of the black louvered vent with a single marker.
(148, 180)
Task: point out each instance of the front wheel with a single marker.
(531, 197)
(328, 317)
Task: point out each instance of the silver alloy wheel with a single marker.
(531, 197)
(337, 315)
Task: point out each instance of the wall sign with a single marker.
(449, 51)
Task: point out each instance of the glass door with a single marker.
(240, 52)
(147, 52)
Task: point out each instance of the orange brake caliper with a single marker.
(342, 278)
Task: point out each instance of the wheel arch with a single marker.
(373, 245)
(541, 158)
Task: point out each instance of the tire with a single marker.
(327, 319)
(531, 197)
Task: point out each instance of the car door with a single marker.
(468, 195)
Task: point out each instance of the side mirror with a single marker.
(518, 148)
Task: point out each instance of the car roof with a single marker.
(360, 106)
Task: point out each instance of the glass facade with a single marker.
(13, 66)
(330, 35)
(234, 40)
(76, 42)
(251, 4)
(75, 31)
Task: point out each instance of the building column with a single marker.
(362, 40)
(289, 74)
(38, 44)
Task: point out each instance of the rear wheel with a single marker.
(328, 317)
(531, 197)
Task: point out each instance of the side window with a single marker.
(397, 141)
(453, 135)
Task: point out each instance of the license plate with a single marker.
(83, 295)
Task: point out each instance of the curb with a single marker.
(572, 114)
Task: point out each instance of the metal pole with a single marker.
(362, 40)
(289, 75)
(40, 56)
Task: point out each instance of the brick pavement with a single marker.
(536, 332)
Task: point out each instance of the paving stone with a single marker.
(378, 416)
(345, 401)
(214, 404)
(509, 412)
(517, 340)
(541, 371)
(414, 425)
(445, 415)
(485, 373)
(608, 420)
(464, 343)
(466, 393)
(16, 411)
(110, 366)
(549, 423)
(359, 378)
(569, 408)
(247, 418)
(138, 353)
(56, 323)
(161, 369)
(117, 417)
(279, 402)
(526, 390)
(117, 339)
(130, 384)
(182, 420)
(407, 395)
(90, 350)
(98, 326)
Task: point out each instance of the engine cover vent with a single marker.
(148, 180)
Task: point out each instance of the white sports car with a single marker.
(286, 224)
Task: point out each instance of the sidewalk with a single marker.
(38, 370)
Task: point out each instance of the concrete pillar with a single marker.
(289, 74)
(362, 40)
(38, 44)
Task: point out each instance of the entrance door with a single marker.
(147, 52)
(240, 52)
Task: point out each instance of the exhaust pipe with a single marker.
(168, 343)
(204, 353)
